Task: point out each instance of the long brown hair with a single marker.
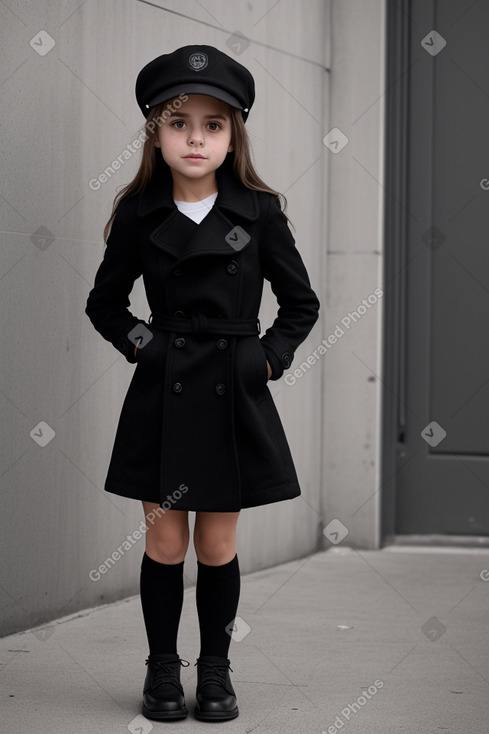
(242, 165)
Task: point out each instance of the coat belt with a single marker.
(201, 324)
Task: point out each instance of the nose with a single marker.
(195, 136)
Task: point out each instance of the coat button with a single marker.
(179, 342)
(220, 388)
(286, 360)
(179, 314)
(222, 344)
(233, 267)
(177, 387)
(178, 272)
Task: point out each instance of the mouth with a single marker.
(195, 156)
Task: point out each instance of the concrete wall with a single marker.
(68, 111)
(352, 372)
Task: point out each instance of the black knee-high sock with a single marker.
(217, 596)
(161, 587)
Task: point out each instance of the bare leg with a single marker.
(161, 580)
(161, 583)
(167, 536)
(215, 537)
(217, 597)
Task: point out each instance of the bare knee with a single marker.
(167, 549)
(215, 543)
(167, 538)
(215, 553)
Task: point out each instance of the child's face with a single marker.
(196, 138)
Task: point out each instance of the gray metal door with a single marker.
(436, 418)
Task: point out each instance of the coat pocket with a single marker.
(153, 351)
(258, 369)
(250, 366)
(262, 360)
(150, 363)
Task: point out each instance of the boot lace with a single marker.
(166, 672)
(214, 673)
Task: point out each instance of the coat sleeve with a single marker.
(298, 304)
(108, 301)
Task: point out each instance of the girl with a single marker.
(198, 428)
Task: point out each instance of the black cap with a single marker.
(195, 70)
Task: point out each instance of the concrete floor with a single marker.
(370, 642)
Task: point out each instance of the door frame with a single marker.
(395, 249)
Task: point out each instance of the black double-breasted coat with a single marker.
(198, 428)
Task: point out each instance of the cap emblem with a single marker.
(198, 61)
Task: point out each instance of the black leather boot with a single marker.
(163, 696)
(216, 698)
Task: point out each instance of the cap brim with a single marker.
(206, 89)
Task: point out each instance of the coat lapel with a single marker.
(181, 237)
(174, 230)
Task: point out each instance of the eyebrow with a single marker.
(185, 114)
